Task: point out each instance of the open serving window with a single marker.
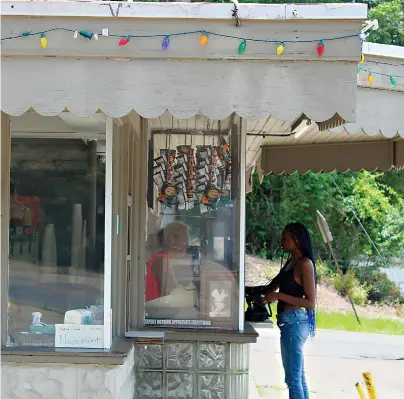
(193, 259)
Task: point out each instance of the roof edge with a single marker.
(383, 50)
(214, 11)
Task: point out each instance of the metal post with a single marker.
(242, 128)
(108, 236)
(5, 154)
(340, 272)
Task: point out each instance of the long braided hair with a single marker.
(302, 239)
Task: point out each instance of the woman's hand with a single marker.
(271, 297)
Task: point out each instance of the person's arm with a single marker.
(273, 285)
(309, 286)
(164, 274)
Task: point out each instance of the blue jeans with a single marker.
(294, 326)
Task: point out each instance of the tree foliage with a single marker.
(283, 199)
(390, 15)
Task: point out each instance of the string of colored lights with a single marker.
(204, 38)
(392, 77)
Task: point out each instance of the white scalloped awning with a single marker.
(374, 141)
(84, 75)
(378, 111)
(253, 90)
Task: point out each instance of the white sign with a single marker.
(79, 336)
(168, 322)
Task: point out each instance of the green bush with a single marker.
(344, 283)
(324, 272)
(380, 288)
(359, 295)
(348, 283)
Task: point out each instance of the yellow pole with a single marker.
(370, 385)
(360, 391)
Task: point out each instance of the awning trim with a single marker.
(328, 158)
(253, 90)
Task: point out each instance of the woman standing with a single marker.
(297, 289)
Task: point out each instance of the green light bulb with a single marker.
(242, 47)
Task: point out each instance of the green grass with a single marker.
(347, 322)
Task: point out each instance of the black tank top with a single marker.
(289, 286)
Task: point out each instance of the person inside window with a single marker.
(297, 291)
(160, 277)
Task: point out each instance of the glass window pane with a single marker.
(192, 247)
(56, 261)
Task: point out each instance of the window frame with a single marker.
(5, 164)
(136, 286)
(5, 158)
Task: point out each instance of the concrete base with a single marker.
(75, 381)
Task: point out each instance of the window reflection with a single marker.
(192, 267)
(56, 237)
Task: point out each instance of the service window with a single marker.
(192, 256)
(56, 237)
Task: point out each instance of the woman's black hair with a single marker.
(302, 239)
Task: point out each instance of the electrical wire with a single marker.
(358, 220)
(164, 35)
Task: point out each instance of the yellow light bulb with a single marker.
(204, 40)
(44, 41)
(370, 78)
(280, 49)
(362, 59)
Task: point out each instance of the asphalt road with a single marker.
(334, 361)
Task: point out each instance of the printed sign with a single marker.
(168, 322)
(79, 336)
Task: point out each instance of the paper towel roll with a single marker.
(78, 316)
(77, 231)
(49, 254)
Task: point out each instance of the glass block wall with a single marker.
(192, 370)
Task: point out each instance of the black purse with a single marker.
(256, 312)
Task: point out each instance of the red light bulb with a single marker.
(124, 40)
(320, 48)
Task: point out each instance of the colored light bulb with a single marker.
(204, 39)
(362, 59)
(26, 34)
(358, 69)
(124, 40)
(320, 48)
(370, 78)
(165, 43)
(393, 81)
(44, 40)
(242, 46)
(280, 49)
(86, 34)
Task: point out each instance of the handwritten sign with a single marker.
(79, 336)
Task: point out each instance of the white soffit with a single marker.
(379, 110)
(84, 75)
(380, 105)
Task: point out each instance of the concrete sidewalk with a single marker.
(335, 362)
